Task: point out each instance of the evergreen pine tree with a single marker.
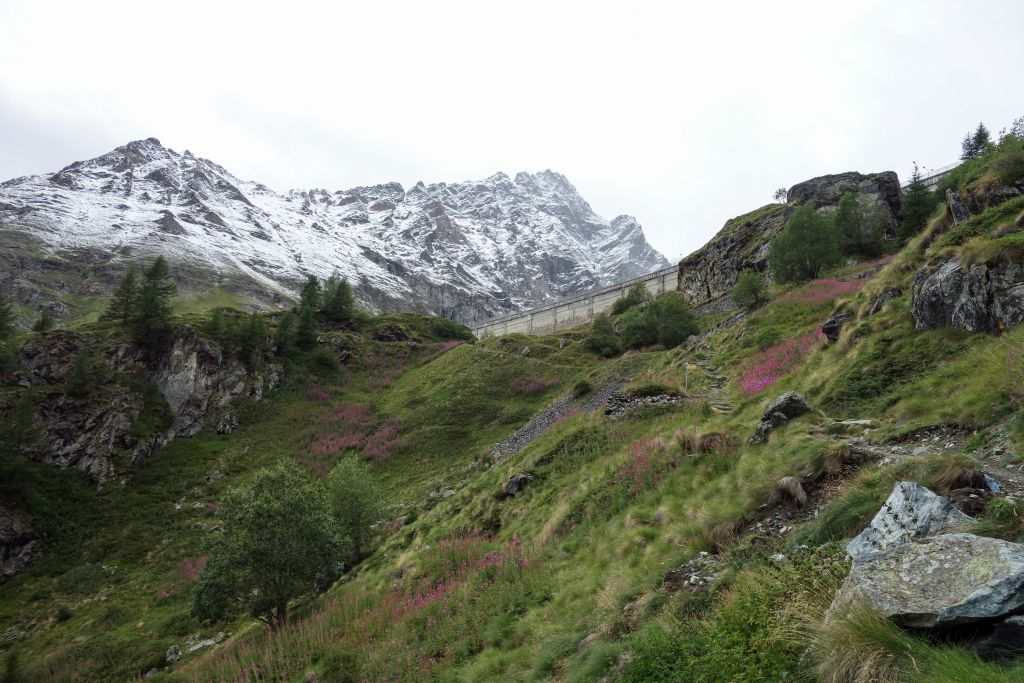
(918, 204)
(151, 323)
(311, 294)
(305, 332)
(216, 328)
(338, 300)
(122, 305)
(44, 323)
(284, 336)
(981, 141)
(967, 149)
(252, 340)
(806, 246)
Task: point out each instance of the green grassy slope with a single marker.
(566, 580)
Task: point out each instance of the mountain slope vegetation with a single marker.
(648, 540)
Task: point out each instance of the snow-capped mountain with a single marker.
(466, 250)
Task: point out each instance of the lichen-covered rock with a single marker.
(941, 581)
(978, 298)
(910, 512)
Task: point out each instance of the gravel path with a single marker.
(542, 421)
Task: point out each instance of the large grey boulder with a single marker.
(977, 298)
(790, 404)
(941, 581)
(834, 325)
(779, 412)
(957, 207)
(911, 512)
(881, 189)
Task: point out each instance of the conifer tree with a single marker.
(151, 323)
(918, 204)
(311, 294)
(284, 336)
(981, 140)
(44, 323)
(305, 332)
(967, 149)
(252, 340)
(216, 328)
(122, 305)
(339, 302)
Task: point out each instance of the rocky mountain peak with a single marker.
(468, 250)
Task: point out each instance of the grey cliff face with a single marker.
(976, 298)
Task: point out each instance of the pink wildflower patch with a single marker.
(770, 365)
(533, 385)
(384, 442)
(431, 353)
(822, 291)
(318, 393)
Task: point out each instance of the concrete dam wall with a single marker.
(574, 311)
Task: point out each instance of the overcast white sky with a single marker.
(681, 116)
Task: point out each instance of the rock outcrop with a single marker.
(882, 189)
(833, 326)
(94, 433)
(709, 274)
(911, 512)
(779, 412)
(944, 580)
(977, 298)
(516, 483)
(18, 544)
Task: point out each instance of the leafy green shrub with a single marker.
(651, 389)
(581, 388)
(445, 330)
(83, 580)
(805, 247)
(667, 321)
(321, 361)
(748, 291)
(602, 338)
(63, 614)
(637, 295)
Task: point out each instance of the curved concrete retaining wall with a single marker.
(574, 311)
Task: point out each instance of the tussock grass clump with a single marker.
(859, 645)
